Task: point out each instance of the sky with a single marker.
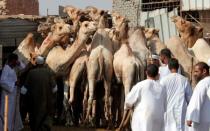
(52, 5)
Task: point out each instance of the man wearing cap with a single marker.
(40, 84)
(154, 60)
(165, 55)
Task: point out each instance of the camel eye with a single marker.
(60, 28)
(86, 25)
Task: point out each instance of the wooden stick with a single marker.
(6, 113)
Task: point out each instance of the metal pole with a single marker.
(6, 113)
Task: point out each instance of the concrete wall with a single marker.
(27, 7)
(129, 9)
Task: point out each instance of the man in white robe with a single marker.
(8, 82)
(148, 100)
(165, 55)
(178, 91)
(198, 110)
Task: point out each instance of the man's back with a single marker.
(199, 106)
(178, 91)
(148, 99)
(39, 82)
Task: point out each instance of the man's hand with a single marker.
(189, 123)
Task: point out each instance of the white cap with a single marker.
(208, 62)
(39, 60)
(155, 57)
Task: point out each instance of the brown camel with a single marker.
(189, 33)
(153, 41)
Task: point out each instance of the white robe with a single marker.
(179, 92)
(148, 99)
(164, 71)
(7, 82)
(198, 110)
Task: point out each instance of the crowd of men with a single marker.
(164, 101)
(36, 83)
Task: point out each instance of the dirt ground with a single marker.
(60, 128)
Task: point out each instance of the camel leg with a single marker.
(90, 99)
(107, 85)
(127, 83)
(75, 73)
(85, 103)
(125, 120)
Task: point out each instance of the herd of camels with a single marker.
(92, 46)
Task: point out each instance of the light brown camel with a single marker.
(201, 50)
(44, 27)
(181, 52)
(100, 67)
(76, 15)
(153, 41)
(24, 49)
(138, 44)
(128, 68)
(60, 63)
(136, 40)
(59, 31)
(189, 33)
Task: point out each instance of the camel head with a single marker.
(87, 28)
(33, 56)
(199, 31)
(94, 13)
(150, 33)
(74, 13)
(118, 20)
(58, 31)
(25, 47)
(44, 27)
(181, 24)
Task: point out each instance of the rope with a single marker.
(194, 19)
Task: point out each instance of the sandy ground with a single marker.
(60, 128)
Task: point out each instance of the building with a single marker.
(27, 7)
(157, 13)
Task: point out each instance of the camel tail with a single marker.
(101, 66)
(138, 73)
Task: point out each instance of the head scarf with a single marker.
(39, 60)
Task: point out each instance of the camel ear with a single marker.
(53, 28)
(183, 21)
(64, 10)
(173, 19)
(156, 31)
(200, 29)
(145, 29)
(31, 54)
(72, 11)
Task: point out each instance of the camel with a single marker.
(44, 27)
(181, 52)
(24, 49)
(136, 40)
(60, 63)
(153, 41)
(100, 67)
(127, 67)
(138, 44)
(201, 50)
(59, 31)
(189, 33)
